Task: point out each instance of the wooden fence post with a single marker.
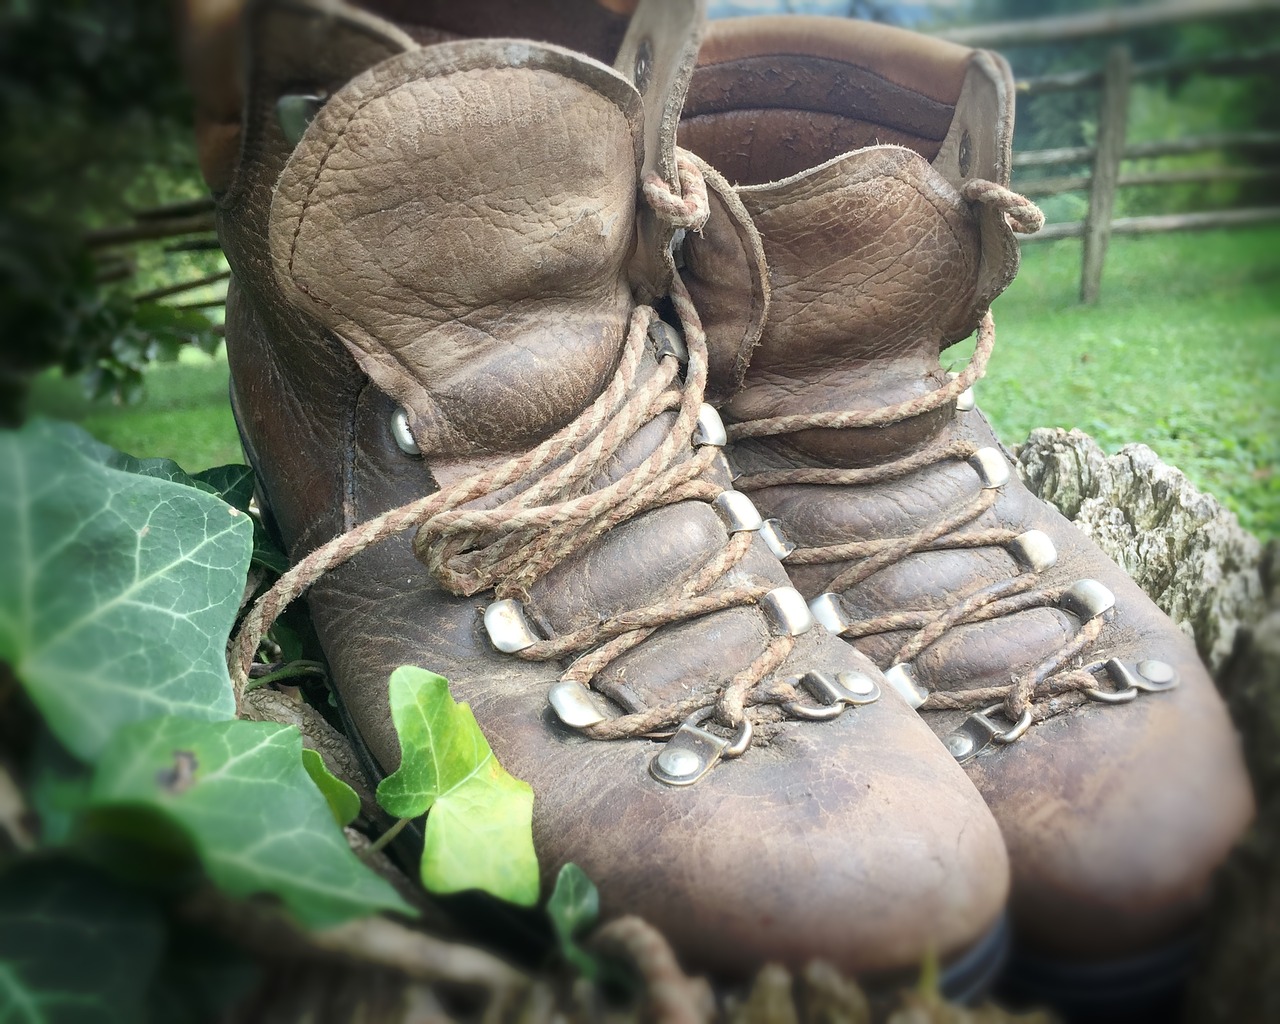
(1113, 112)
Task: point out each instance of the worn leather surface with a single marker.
(451, 233)
(1115, 816)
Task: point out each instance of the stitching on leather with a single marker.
(315, 181)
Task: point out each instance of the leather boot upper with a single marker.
(456, 247)
(873, 164)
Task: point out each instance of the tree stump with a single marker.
(1220, 585)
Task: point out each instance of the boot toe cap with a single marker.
(825, 843)
(1117, 816)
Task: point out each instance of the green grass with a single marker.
(185, 414)
(1182, 354)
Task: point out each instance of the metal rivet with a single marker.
(991, 467)
(678, 761)
(710, 428)
(295, 112)
(776, 539)
(1087, 599)
(787, 611)
(1034, 549)
(828, 609)
(858, 683)
(666, 341)
(1159, 672)
(401, 432)
(903, 679)
(690, 753)
(507, 627)
(737, 512)
(960, 745)
(573, 705)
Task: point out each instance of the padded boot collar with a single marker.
(460, 217)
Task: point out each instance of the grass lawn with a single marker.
(1182, 354)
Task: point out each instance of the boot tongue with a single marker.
(874, 260)
(461, 217)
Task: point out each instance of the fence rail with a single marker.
(190, 223)
(1033, 31)
(1105, 159)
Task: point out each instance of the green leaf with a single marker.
(91, 448)
(117, 591)
(573, 908)
(57, 788)
(73, 948)
(240, 792)
(233, 484)
(480, 829)
(341, 798)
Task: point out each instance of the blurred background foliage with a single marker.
(96, 119)
(96, 122)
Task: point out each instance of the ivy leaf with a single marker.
(233, 484)
(91, 448)
(73, 948)
(117, 590)
(342, 799)
(240, 792)
(480, 829)
(57, 787)
(573, 908)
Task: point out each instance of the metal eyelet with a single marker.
(776, 539)
(1018, 730)
(1087, 599)
(828, 609)
(403, 435)
(1034, 550)
(992, 467)
(692, 751)
(1149, 676)
(509, 631)
(710, 429)
(787, 611)
(834, 694)
(1111, 696)
(737, 512)
(902, 677)
(965, 402)
(978, 731)
(666, 341)
(573, 705)
(642, 73)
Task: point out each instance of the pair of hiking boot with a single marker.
(664, 474)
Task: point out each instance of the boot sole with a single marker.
(1142, 989)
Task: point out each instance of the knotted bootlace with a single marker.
(543, 508)
(1059, 682)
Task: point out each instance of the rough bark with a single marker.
(1216, 581)
(1182, 546)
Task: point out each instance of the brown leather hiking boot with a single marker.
(489, 459)
(873, 164)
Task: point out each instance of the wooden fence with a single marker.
(1105, 158)
(191, 222)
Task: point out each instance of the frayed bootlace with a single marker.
(544, 516)
(1054, 685)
